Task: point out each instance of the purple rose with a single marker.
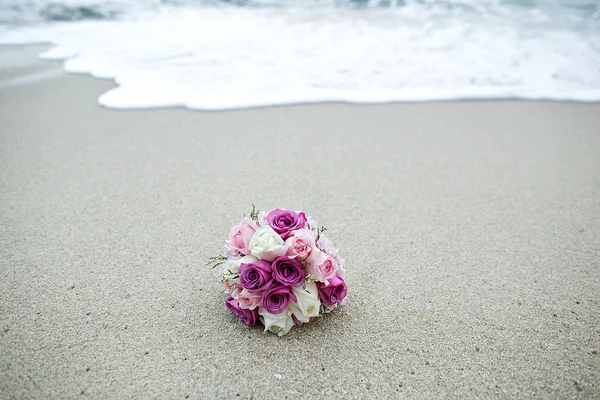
(255, 275)
(276, 297)
(288, 271)
(334, 292)
(248, 317)
(285, 221)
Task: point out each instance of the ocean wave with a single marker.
(34, 11)
(218, 55)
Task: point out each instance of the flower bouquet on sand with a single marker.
(279, 269)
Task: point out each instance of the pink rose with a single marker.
(333, 293)
(300, 244)
(233, 289)
(287, 271)
(285, 221)
(240, 235)
(255, 275)
(248, 299)
(248, 317)
(276, 297)
(320, 266)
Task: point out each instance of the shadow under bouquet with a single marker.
(279, 269)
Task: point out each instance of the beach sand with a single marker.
(471, 233)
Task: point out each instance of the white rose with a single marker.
(308, 303)
(265, 244)
(277, 323)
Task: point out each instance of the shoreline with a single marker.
(23, 53)
(470, 231)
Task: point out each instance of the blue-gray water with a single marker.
(20, 11)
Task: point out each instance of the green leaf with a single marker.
(319, 231)
(254, 213)
(213, 262)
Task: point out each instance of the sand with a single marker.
(471, 233)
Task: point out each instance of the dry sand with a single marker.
(471, 232)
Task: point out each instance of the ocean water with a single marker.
(214, 55)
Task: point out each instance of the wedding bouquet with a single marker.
(279, 269)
